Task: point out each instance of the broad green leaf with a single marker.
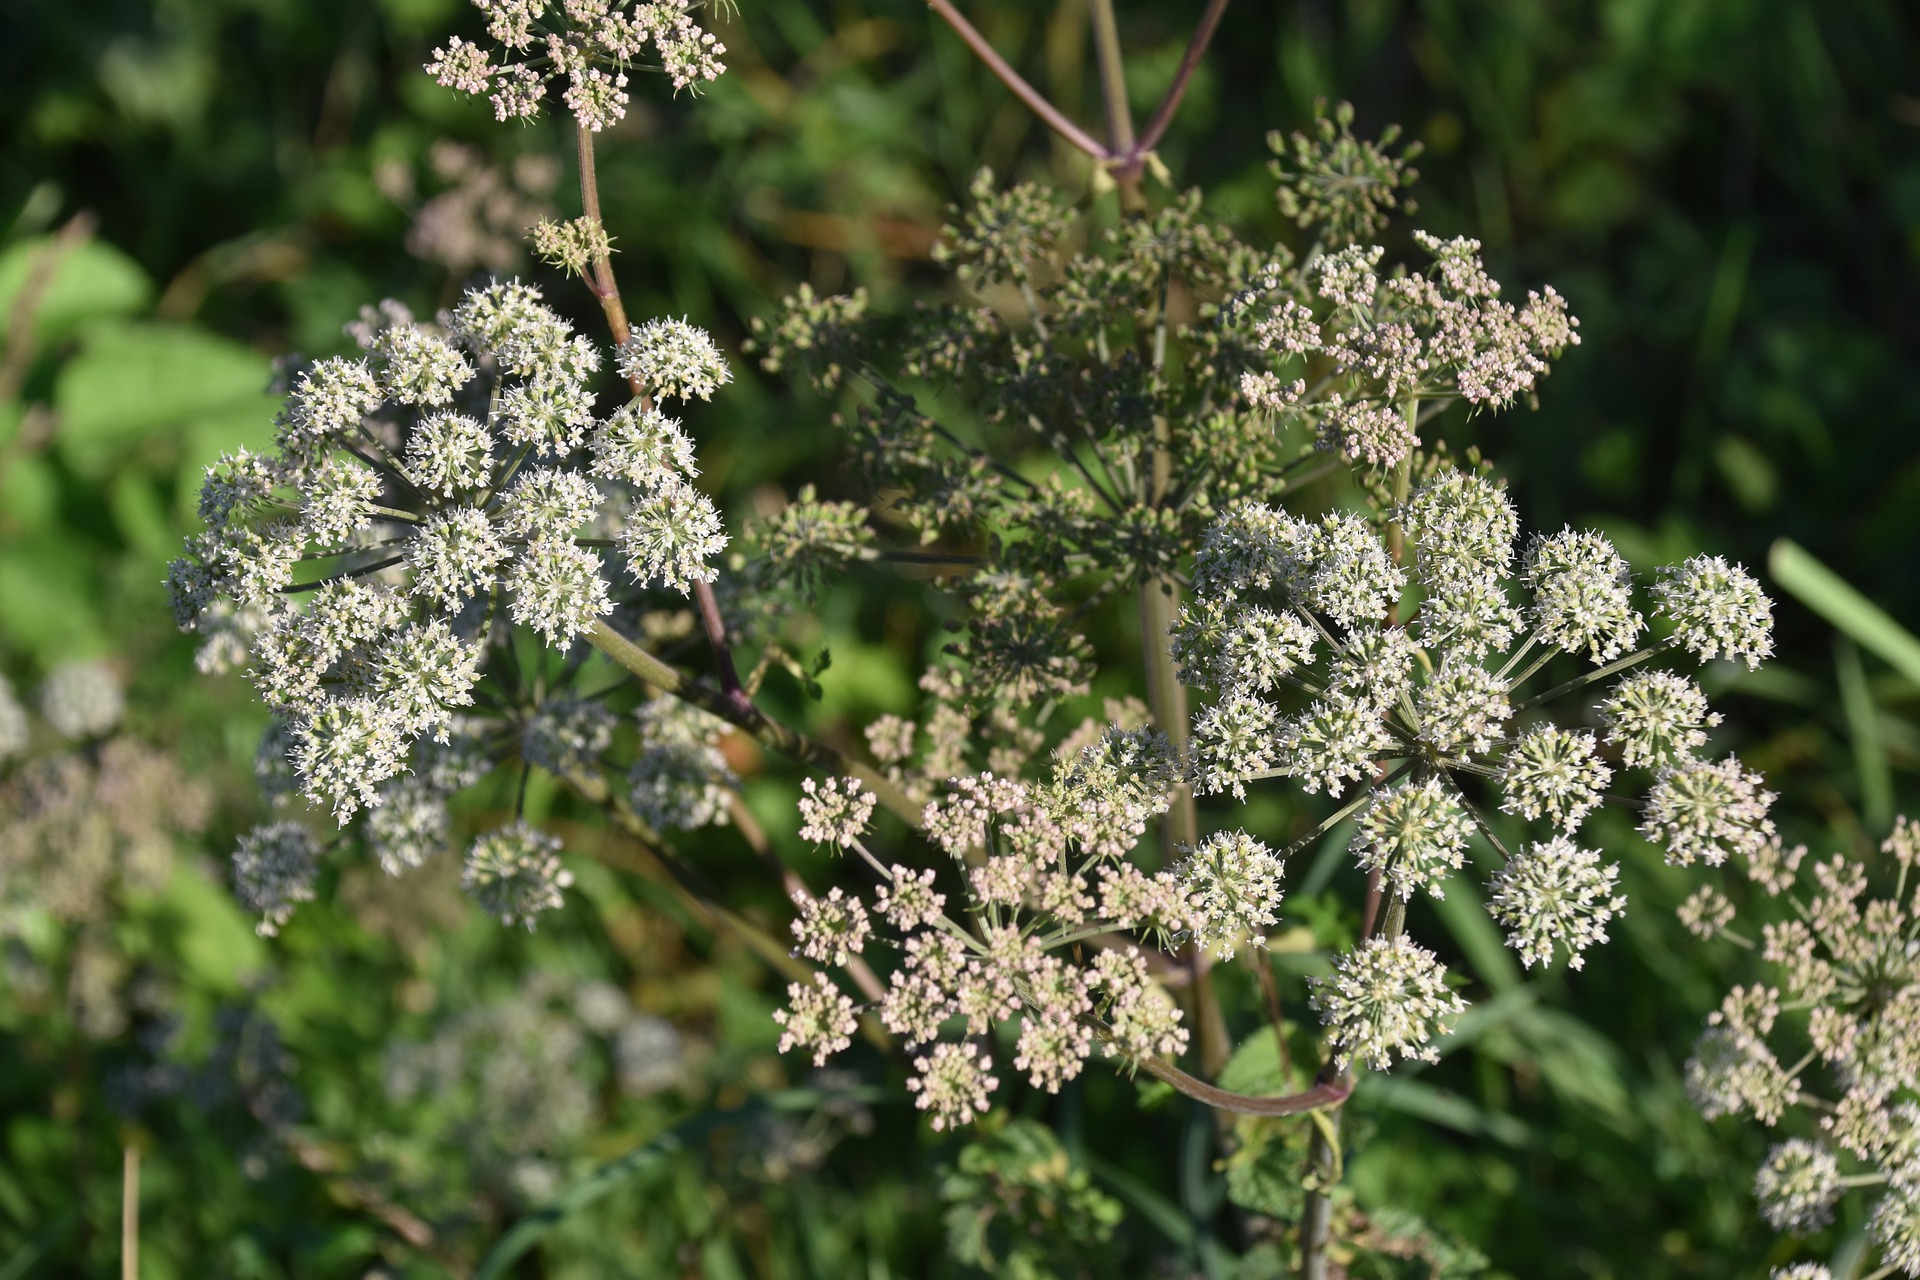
(93, 281)
(1829, 595)
(49, 599)
(132, 383)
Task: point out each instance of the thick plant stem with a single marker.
(751, 720)
(1113, 95)
(601, 281)
(1180, 828)
(130, 1213)
(1316, 1219)
(1320, 1097)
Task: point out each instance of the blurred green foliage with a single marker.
(1728, 191)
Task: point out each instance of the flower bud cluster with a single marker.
(587, 45)
(1396, 341)
(450, 480)
(1041, 867)
(1836, 1043)
(1333, 666)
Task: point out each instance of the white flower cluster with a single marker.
(588, 44)
(1386, 1000)
(1334, 666)
(836, 813)
(1044, 868)
(1431, 336)
(680, 781)
(1848, 967)
(447, 477)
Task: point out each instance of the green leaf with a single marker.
(1466, 919)
(132, 383)
(1829, 595)
(641, 1160)
(49, 599)
(1863, 726)
(93, 281)
(1439, 1106)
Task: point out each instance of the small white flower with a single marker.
(1717, 609)
(670, 535)
(1414, 834)
(1232, 887)
(836, 813)
(1387, 999)
(514, 874)
(674, 360)
(817, 1017)
(558, 591)
(1582, 595)
(1797, 1187)
(274, 868)
(1554, 774)
(1555, 894)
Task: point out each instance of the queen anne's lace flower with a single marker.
(817, 1017)
(1414, 834)
(953, 1082)
(832, 928)
(1387, 999)
(1706, 811)
(680, 781)
(835, 813)
(670, 536)
(1553, 774)
(1656, 717)
(274, 868)
(557, 590)
(1555, 894)
(589, 45)
(1583, 596)
(409, 825)
(1717, 610)
(1232, 885)
(1896, 1226)
(1797, 1187)
(1462, 709)
(82, 699)
(675, 360)
(442, 487)
(515, 874)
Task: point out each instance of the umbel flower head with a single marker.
(1846, 960)
(1386, 1001)
(1393, 340)
(589, 46)
(445, 483)
(1359, 684)
(1043, 867)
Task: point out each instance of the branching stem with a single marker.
(751, 720)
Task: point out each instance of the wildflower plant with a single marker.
(1827, 1048)
(1233, 441)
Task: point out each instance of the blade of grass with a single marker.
(1833, 598)
(1863, 726)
